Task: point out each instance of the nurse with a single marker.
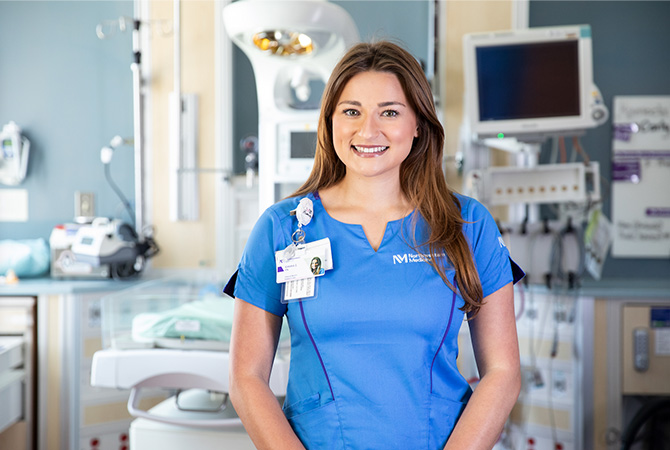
(404, 259)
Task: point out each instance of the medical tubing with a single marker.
(444, 337)
(311, 338)
(550, 400)
(561, 147)
(573, 278)
(118, 192)
(553, 156)
(578, 146)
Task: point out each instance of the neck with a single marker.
(382, 196)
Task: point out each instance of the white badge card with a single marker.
(307, 261)
(298, 290)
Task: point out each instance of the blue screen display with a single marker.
(528, 81)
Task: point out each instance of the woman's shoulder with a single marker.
(471, 208)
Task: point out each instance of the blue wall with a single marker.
(631, 56)
(71, 93)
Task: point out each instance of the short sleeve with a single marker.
(256, 277)
(494, 265)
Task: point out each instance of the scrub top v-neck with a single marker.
(373, 353)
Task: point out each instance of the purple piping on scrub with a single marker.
(309, 333)
(451, 315)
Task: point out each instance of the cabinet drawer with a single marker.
(11, 397)
(11, 353)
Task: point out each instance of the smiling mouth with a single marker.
(377, 150)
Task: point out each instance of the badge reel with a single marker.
(300, 263)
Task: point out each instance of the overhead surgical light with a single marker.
(290, 28)
(283, 43)
(293, 46)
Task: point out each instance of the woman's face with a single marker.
(373, 125)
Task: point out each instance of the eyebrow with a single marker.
(381, 105)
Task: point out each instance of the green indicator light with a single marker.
(501, 135)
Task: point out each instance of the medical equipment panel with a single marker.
(645, 361)
(296, 145)
(546, 183)
(549, 413)
(64, 263)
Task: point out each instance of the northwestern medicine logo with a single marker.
(417, 257)
(411, 258)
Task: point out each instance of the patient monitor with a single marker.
(531, 83)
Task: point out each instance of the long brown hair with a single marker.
(421, 177)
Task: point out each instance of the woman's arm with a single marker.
(253, 345)
(496, 348)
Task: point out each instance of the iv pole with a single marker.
(104, 31)
(138, 121)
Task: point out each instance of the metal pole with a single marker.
(138, 126)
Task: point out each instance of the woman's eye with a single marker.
(350, 112)
(390, 113)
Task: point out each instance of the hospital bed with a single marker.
(170, 338)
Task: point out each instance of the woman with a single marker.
(373, 351)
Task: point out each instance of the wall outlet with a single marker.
(84, 204)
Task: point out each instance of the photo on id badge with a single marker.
(316, 267)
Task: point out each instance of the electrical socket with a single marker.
(84, 204)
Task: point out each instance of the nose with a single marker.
(369, 127)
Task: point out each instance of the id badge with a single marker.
(299, 268)
(305, 261)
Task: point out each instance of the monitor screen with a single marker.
(303, 144)
(528, 80)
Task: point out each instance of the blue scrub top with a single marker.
(373, 354)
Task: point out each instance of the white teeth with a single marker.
(370, 149)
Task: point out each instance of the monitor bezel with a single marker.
(529, 126)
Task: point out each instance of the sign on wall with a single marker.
(641, 177)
